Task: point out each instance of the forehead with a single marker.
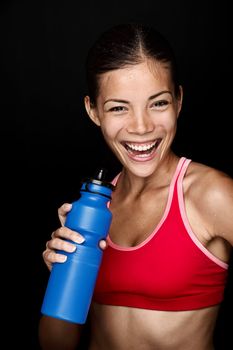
(146, 77)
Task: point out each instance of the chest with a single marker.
(167, 272)
(133, 222)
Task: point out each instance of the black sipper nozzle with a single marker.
(99, 179)
(101, 174)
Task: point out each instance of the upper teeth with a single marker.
(141, 147)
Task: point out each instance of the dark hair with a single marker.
(124, 45)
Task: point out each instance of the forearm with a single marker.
(55, 334)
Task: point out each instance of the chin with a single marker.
(141, 170)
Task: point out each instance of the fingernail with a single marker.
(79, 240)
(62, 258)
(73, 248)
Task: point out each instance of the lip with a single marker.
(142, 151)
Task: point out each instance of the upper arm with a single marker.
(219, 205)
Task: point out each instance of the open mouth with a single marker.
(142, 150)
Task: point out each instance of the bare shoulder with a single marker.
(211, 190)
(209, 182)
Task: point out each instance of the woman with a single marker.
(164, 270)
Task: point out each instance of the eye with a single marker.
(160, 104)
(117, 109)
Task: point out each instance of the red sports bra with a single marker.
(170, 270)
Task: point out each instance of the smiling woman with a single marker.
(138, 119)
(165, 267)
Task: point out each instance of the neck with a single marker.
(130, 184)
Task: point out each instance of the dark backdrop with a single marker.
(49, 144)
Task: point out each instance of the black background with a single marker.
(49, 144)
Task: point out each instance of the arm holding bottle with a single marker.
(54, 333)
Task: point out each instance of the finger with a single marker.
(50, 257)
(60, 244)
(103, 244)
(66, 233)
(62, 212)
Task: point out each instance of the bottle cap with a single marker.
(99, 179)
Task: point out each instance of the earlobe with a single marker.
(91, 110)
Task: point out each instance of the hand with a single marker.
(58, 240)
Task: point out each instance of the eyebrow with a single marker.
(160, 93)
(150, 98)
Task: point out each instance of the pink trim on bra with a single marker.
(167, 209)
(187, 224)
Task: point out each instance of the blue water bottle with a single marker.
(71, 284)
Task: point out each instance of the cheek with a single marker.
(172, 123)
(110, 129)
(168, 122)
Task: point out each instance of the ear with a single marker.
(179, 100)
(91, 110)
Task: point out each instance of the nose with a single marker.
(140, 123)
